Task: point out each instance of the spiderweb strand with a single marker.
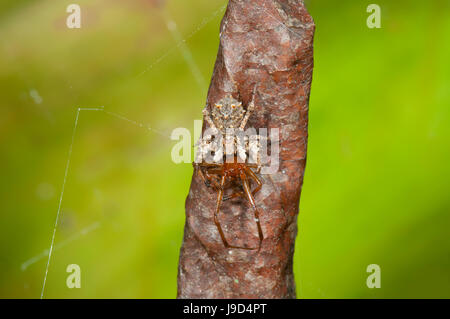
(60, 201)
(86, 230)
(69, 156)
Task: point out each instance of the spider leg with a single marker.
(252, 202)
(256, 179)
(212, 174)
(233, 195)
(199, 170)
(207, 164)
(216, 213)
(206, 177)
(250, 108)
(208, 118)
(211, 179)
(216, 217)
(257, 166)
(249, 111)
(242, 194)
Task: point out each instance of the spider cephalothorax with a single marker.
(229, 120)
(227, 113)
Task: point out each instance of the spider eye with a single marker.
(233, 106)
(218, 106)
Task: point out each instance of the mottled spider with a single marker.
(228, 122)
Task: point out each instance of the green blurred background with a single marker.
(376, 188)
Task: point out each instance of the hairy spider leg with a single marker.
(249, 111)
(252, 202)
(208, 118)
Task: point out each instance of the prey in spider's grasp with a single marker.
(231, 157)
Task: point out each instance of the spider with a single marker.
(228, 115)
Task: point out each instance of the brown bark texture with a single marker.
(267, 44)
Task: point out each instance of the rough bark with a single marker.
(268, 43)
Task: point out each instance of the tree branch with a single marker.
(267, 44)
